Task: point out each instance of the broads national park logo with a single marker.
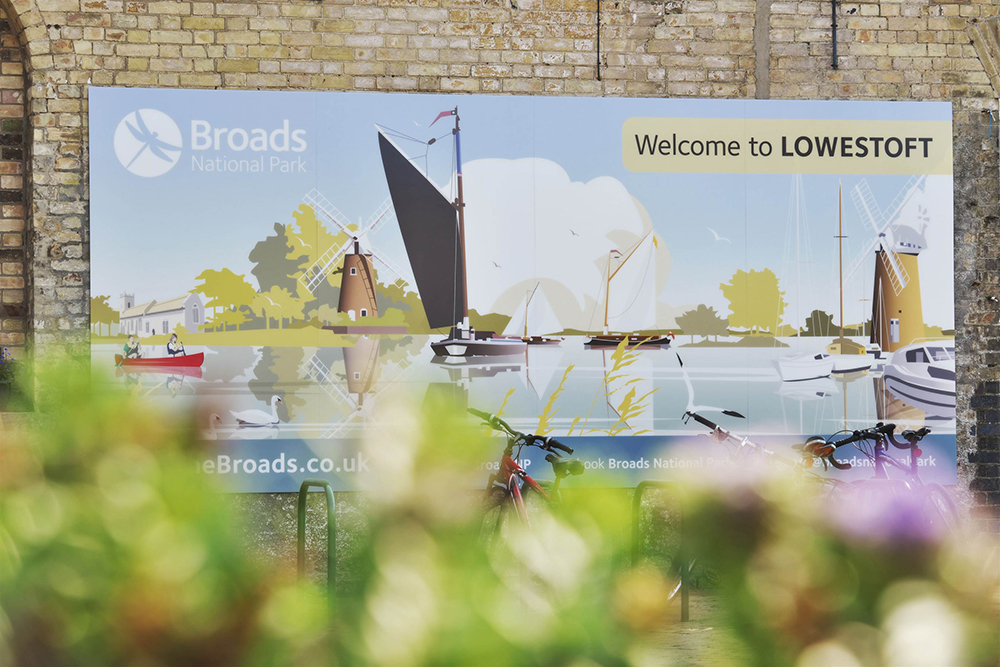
(148, 142)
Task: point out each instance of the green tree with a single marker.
(227, 290)
(272, 266)
(819, 323)
(102, 313)
(755, 299)
(702, 321)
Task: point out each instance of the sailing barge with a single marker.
(433, 230)
(631, 288)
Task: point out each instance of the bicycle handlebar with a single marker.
(879, 432)
(707, 423)
(542, 442)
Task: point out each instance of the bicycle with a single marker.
(742, 448)
(935, 502)
(507, 488)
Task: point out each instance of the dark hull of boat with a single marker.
(488, 347)
(613, 340)
(542, 340)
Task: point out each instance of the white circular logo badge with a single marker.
(148, 142)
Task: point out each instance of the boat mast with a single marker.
(607, 293)
(840, 243)
(526, 302)
(460, 205)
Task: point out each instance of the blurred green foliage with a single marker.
(115, 551)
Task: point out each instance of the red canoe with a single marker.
(180, 361)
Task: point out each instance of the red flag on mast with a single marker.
(442, 115)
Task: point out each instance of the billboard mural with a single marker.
(293, 264)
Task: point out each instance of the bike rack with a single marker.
(331, 533)
(682, 552)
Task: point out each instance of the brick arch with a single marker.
(28, 24)
(15, 278)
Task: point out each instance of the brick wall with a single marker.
(13, 294)
(912, 49)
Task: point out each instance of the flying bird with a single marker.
(716, 235)
(573, 233)
(497, 265)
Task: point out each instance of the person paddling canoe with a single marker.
(132, 350)
(175, 347)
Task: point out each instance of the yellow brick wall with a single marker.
(917, 49)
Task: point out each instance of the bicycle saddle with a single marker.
(563, 467)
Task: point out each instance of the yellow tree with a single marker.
(755, 299)
(102, 313)
(280, 304)
(227, 290)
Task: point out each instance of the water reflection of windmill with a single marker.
(357, 282)
(897, 311)
(357, 388)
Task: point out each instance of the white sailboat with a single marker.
(533, 319)
(801, 366)
(630, 298)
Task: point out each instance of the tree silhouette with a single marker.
(102, 313)
(224, 289)
(272, 266)
(702, 321)
(279, 304)
(755, 299)
(819, 323)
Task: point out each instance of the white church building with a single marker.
(155, 318)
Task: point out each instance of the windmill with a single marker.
(897, 312)
(357, 283)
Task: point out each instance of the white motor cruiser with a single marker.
(804, 366)
(923, 375)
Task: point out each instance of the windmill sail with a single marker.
(632, 290)
(429, 225)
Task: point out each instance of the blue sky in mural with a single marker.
(189, 220)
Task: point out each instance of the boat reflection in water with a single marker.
(907, 412)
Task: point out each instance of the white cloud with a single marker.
(520, 213)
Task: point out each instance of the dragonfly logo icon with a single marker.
(148, 142)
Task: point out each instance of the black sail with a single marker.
(429, 224)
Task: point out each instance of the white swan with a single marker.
(213, 419)
(258, 417)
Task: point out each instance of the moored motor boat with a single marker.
(178, 361)
(804, 366)
(848, 356)
(923, 375)
(467, 343)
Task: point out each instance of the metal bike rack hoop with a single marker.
(682, 558)
(331, 532)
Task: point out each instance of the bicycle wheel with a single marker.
(491, 515)
(940, 509)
